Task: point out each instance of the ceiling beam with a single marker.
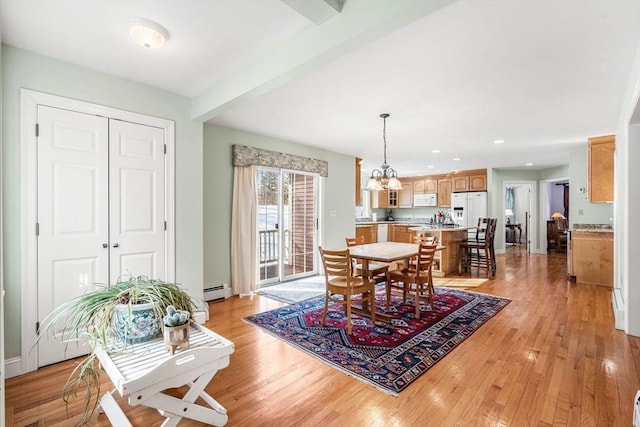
(316, 11)
(359, 23)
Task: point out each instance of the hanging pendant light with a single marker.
(387, 178)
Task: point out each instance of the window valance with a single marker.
(246, 156)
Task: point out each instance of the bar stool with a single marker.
(479, 252)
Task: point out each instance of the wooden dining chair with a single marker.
(415, 279)
(479, 251)
(341, 284)
(377, 270)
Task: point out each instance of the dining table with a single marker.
(383, 252)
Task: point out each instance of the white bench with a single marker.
(143, 371)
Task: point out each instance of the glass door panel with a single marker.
(299, 203)
(287, 224)
(268, 225)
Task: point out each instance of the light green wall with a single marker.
(339, 194)
(22, 69)
(582, 211)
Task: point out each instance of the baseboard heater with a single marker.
(217, 292)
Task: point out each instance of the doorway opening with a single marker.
(518, 200)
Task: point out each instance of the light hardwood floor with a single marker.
(551, 358)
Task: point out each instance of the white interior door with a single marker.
(72, 225)
(137, 200)
(101, 210)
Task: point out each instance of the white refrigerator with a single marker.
(468, 207)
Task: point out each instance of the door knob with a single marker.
(105, 245)
(116, 245)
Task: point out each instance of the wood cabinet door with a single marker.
(478, 183)
(461, 183)
(405, 196)
(431, 186)
(601, 152)
(379, 199)
(445, 187)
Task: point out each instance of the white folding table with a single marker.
(143, 371)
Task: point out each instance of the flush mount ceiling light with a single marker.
(147, 33)
(387, 177)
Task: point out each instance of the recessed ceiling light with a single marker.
(431, 166)
(499, 141)
(455, 159)
(528, 164)
(147, 33)
(435, 151)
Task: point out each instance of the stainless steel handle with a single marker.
(116, 245)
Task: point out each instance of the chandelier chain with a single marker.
(384, 137)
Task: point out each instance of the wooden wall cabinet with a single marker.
(478, 182)
(425, 186)
(601, 153)
(460, 183)
(445, 187)
(405, 196)
(384, 199)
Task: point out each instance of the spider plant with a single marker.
(91, 317)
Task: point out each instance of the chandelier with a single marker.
(387, 178)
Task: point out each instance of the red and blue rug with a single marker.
(388, 355)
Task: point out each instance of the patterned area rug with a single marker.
(388, 355)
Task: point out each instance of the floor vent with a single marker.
(217, 292)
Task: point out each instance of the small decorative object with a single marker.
(440, 217)
(176, 329)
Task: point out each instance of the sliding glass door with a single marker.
(287, 224)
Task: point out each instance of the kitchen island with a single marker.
(447, 260)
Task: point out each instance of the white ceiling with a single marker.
(541, 75)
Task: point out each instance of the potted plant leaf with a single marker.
(107, 315)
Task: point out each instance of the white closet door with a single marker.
(73, 251)
(137, 202)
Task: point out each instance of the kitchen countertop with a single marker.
(592, 228)
(416, 225)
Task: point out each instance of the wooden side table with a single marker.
(143, 371)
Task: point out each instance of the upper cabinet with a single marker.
(473, 180)
(442, 185)
(601, 151)
(425, 185)
(478, 182)
(445, 187)
(460, 183)
(405, 196)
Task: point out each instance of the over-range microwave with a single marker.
(426, 199)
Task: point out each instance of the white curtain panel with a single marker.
(244, 248)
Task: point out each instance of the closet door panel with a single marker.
(72, 214)
(137, 202)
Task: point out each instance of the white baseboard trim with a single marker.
(618, 308)
(12, 367)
